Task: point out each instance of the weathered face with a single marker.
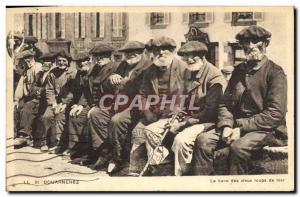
(101, 59)
(194, 62)
(29, 60)
(163, 55)
(227, 76)
(133, 57)
(83, 65)
(47, 65)
(254, 50)
(62, 62)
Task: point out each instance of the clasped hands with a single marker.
(229, 135)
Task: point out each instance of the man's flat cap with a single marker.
(48, 56)
(227, 69)
(253, 32)
(30, 39)
(81, 57)
(101, 49)
(163, 42)
(64, 54)
(25, 54)
(192, 47)
(132, 45)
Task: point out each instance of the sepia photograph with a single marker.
(150, 99)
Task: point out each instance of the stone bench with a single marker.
(270, 160)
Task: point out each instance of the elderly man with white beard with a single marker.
(165, 80)
(125, 81)
(205, 83)
(251, 113)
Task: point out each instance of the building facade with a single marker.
(81, 31)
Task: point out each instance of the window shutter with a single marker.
(258, 16)
(117, 24)
(63, 25)
(167, 18)
(76, 25)
(228, 17)
(114, 24)
(51, 26)
(34, 24)
(185, 18)
(209, 17)
(39, 27)
(147, 19)
(82, 25)
(44, 26)
(102, 25)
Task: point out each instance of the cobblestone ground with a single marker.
(29, 167)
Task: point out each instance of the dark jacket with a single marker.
(176, 84)
(208, 87)
(85, 83)
(132, 86)
(59, 85)
(256, 99)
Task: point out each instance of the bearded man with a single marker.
(126, 80)
(205, 83)
(165, 80)
(252, 112)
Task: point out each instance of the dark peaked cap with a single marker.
(47, 56)
(163, 41)
(81, 57)
(192, 47)
(102, 48)
(227, 69)
(64, 54)
(25, 54)
(253, 32)
(132, 45)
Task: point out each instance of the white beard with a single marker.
(134, 60)
(255, 55)
(163, 61)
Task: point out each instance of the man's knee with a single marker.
(237, 148)
(179, 141)
(203, 142)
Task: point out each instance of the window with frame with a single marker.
(243, 18)
(57, 25)
(199, 19)
(79, 26)
(118, 25)
(42, 26)
(158, 19)
(98, 25)
(30, 21)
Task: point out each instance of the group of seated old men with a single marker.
(73, 111)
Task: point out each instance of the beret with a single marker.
(81, 57)
(253, 32)
(25, 54)
(64, 54)
(192, 46)
(132, 45)
(227, 69)
(30, 39)
(48, 56)
(163, 41)
(102, 48)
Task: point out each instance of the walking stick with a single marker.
(162, 138)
